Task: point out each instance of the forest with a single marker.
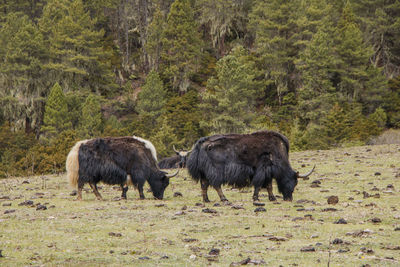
(324, 73)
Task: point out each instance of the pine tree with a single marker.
(91, 120)
(358, 80)
(22, 78)
(151, 99)
(56, 117)
(181, 45)
(154, 39)
(77, 57)
(316, 63)
(230, 98)
(275, 25)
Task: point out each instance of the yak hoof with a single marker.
(272, 198)
(206, 200)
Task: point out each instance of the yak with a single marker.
(116, 160)
(242, 160)
(176, 161)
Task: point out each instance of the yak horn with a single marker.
(173, 147)
(307, 174)
(171, 175)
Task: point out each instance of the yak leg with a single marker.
(140, 189)
(124, 190)
(204, 187)
(271, 196)
(95, 191)
(80, 187)
(220, 193)
(255, 194)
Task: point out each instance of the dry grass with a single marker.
(176, 231)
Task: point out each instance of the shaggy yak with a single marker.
(116, 160)
(243, 160)
(176, 161)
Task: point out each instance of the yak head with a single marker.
(288, 182)
(159, 182)
(183, 154)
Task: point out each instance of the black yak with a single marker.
(243, 160)
(176, 161)
(116, 160)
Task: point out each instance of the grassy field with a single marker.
(42, 224)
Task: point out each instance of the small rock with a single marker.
(343, 250)
(111, 251)
(159, 205)
(397, 229)
(337, 241)
(214, 251)
(307, 249)
(25, 182)
(178, 194)
(376, 220)
(41, 207)
(6, 204)
(192, 257)
(164, 257)
(341, 221)
(144, 258)
(258, 204)
(217, 205)
(9, 211)
(26, 203)
(184, 207)
(190, 240)
(314, 236)
(377, 173)
(367, 250)
(237, 207)
(180, 213)
(198, 204)
(332, 200)
(115, 234)
(329, 209)
(260, 209)
(207, 210)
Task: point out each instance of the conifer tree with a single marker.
(77, 55)
(22, 80)
(56, 117)
(91, 120)
(151, 99)
(181, 45)
(154, 39)
(230, 98)
(316, 63)
(357, 78)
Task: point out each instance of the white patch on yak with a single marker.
(149, 145)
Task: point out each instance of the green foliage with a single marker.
(230, 98)
(22, 79)
(55, 115)
(92, 119)
(164, 139)
(181, 45)
(151, 98)
(77, 56)
(392, 103)
(182, 113)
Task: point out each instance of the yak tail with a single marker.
(72, 164)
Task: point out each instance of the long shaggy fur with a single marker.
(149, 145)
(115, 160)
(72, 164)
(169, 162)
(243, 160)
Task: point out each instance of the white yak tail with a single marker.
(72, 164)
